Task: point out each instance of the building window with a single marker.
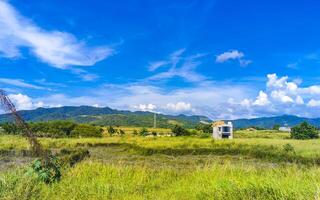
(226, 129)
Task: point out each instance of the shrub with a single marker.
(195, 132)
(143, 132)
(288, 148)
(47, 170)
(121, 132)
(86, 130)
(304, 131)
(154, 133)
(135, 132)
(111, 130)
(180, 131)
(204, 135)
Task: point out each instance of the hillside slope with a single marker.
(269, 122)
(109, 116)
(105, 116)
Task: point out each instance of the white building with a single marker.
(222, 130)
(285, 129)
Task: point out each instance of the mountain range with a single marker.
(109, 116)
(269, 122)
(106, 116)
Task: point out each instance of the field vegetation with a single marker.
(135, 163)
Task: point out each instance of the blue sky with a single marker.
(224, 59)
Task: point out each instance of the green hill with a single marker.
(108, 116)
(269, 122)
(105, 116)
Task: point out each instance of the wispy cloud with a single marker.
(172, 60)
(293, 65)
(233, 55)
(20, 83)
(157, 64)
(84, 75)
(46, 83)
(179, 66)
(58, 49)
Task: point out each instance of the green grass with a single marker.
(91, 180)
(270, 134)
(254, 165)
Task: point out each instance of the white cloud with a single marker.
(59, 49)
(20, 83)
(286, 97)
(233, 55)
(155, 65)
(145, 107)
(244, 63)
(245, 103)
(313, 103)
(24, 102)
(218, 101)
(274, 82)
(312, 90)
(262, 99)
(179, 106)
(281, 96)
(206, 99)
(229, 55)
(299, 100)
(291, 86)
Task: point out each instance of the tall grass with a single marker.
(307, 151)
(180, 176)
(90, 180)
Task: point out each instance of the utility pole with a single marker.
(154, 120)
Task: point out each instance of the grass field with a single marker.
(254, 165)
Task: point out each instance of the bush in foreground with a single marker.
(304, 131)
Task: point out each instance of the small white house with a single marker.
(285, 129)
(222, 130)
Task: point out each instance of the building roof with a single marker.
(218, 123)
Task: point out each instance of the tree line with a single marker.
(55, 129)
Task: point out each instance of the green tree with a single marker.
(86, 130)
(205, 128)
(179, 131)
(10, 128)
(276, 127)
(304, 131)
